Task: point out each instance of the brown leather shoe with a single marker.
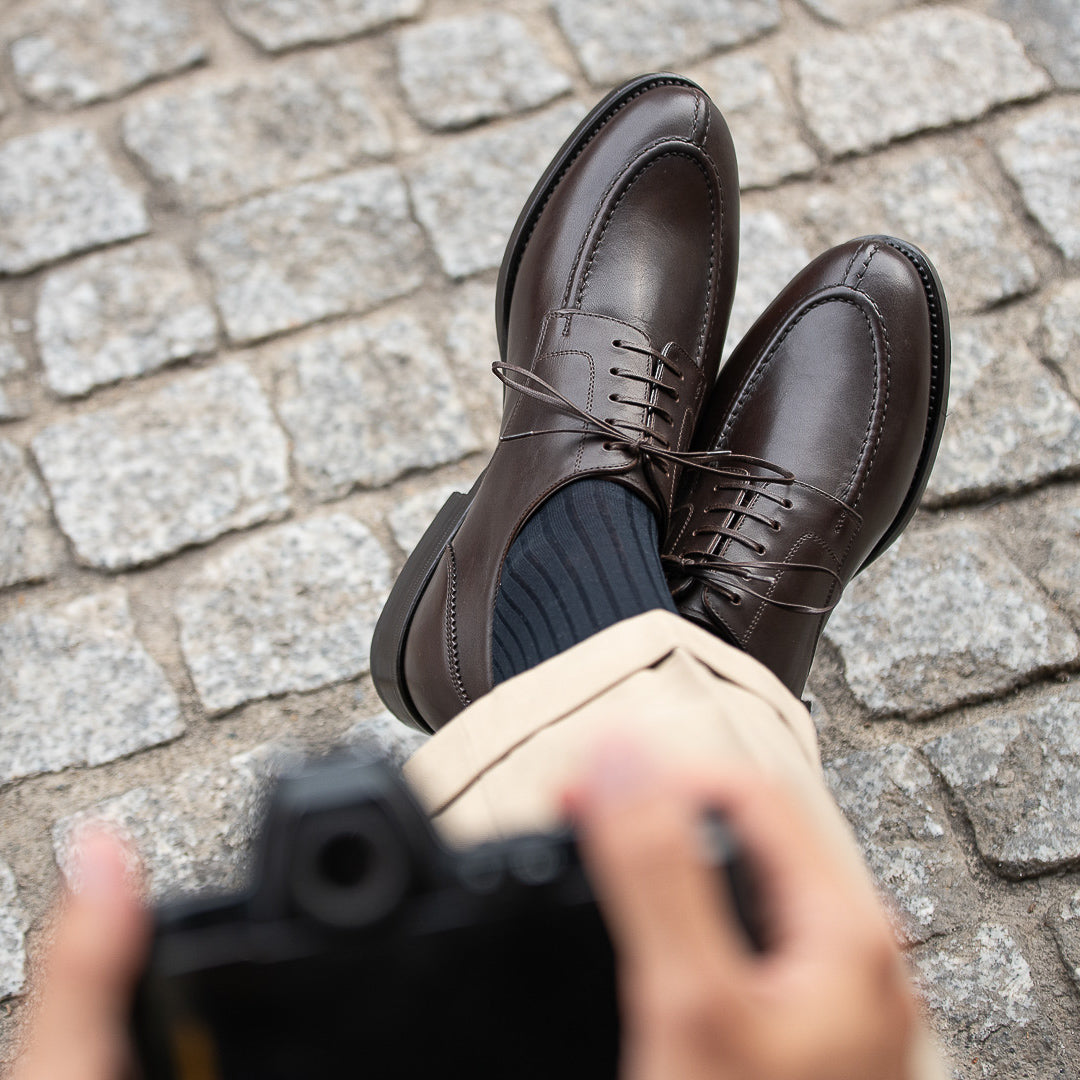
(612, 306)
(838, 391)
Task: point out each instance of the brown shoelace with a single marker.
(642, 442)
(715, 572)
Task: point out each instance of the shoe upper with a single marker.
(619, 305)
(836, 389)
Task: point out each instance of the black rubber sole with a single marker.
(392, 629)
(581, 136)
(941, 360)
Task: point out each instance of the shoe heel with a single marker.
(392, 628)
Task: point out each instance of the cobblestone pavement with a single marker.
(247, 259)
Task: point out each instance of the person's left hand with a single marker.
(78, 1030)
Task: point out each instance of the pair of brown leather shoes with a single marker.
(773, 485)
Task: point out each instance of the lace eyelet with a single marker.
(787, 504)
(611, 397)
(760, 549)
(774, 525)
(735, 601)
(617, 343)
(613, 371)
(608, 447)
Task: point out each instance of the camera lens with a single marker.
(349, 868)
(345, 859)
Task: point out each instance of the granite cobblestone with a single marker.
(70, 54)
(467, 68)
(120, 313)
(330, 247)
(289, 609)
(184, 464)
(80, 661)
(368, 401)
(59, 195)
(306, 117)
(266, 165)
(931, 67)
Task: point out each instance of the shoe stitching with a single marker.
(874, 249)
(627, 166)
(848, 487)
(762, 366)
(601, 123)
(609, 216)
(788, 558)
(453, 652)
(885, 402)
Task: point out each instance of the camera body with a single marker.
(365, 946)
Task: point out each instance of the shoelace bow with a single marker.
(641, 441)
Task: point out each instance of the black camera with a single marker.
(367, 948)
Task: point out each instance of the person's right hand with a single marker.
(828, 999)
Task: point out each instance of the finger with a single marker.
(78, 1031)
(805, 878)
(665, 908)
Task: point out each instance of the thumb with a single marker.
(79, 1030)
(666, 910)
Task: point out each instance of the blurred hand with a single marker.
(79, 1028)
(828, 999)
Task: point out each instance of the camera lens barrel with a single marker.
(349, 869)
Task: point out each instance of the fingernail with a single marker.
(620, 771)
(98, 870)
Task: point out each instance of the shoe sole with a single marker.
(940, 364)
(392, 628)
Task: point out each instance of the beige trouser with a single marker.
(500, 767)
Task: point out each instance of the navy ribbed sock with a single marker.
(588, 558)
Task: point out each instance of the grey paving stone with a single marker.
(942, 618)
(469, 192)
(120, 313)
(180, 466)
(13, 927)
(77, 688)
(893, 804)
(1050, 534)
(466, 68)
(1067, 933)
(1051, 30)
(1061, 332)
(473, 348)
(219, 142)
(12, 371)
(770, 255)
(367, 401)
(409, 518)
(852, 12)
(386, 738)
(767, 139)
(930, 68)
(60, 195)
(192, 833)
(1043, 156)
(616, 41)
(291, 608)
(937, 203)
(70, 54)
(1010, 424)
(30, 548)
(1015, 772)
(980, 988)
(325, 248)
(281, 24)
